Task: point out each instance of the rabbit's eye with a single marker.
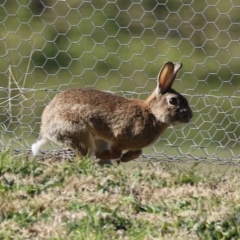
(173, 101)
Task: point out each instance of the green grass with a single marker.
(80, 200)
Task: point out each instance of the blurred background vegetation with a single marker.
(47, 46)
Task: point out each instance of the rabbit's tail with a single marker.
(38, 144)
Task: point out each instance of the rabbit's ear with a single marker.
(167, 76)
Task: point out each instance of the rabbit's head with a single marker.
(167, 105)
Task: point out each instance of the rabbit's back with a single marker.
(75, 104)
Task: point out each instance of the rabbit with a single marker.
(92, 121)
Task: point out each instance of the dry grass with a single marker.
(80, 200)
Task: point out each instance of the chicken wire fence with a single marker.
(47, 46)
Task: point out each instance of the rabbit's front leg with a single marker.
(113, 153)
(101, 146)
(130, 155)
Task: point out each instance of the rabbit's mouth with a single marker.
(183, 118)
(186, 118)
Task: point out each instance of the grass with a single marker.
(80, 200)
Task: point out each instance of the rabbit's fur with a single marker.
(92, 121)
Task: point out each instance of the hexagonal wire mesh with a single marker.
(119, 46)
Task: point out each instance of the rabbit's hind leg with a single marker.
(83, 144)
(113, 153)
(80, 141)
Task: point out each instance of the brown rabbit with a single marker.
(89, 120)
